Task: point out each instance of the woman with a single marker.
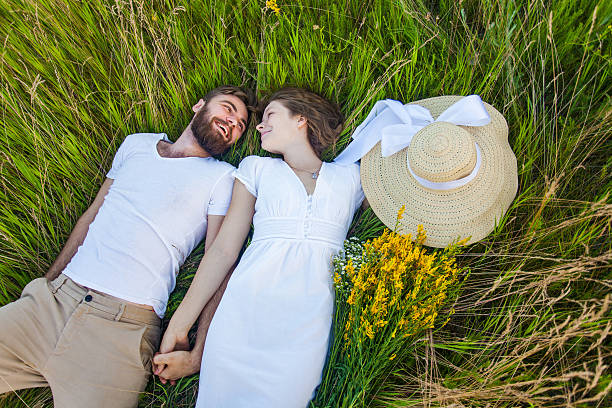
(267, 342)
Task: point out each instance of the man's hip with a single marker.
(88, 346)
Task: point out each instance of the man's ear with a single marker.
(199, 105)
(302, 121)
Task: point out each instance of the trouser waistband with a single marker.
(117, 309)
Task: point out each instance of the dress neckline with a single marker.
(299, 181)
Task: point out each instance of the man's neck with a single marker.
(185, 146)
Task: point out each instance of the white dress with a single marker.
(268, 340)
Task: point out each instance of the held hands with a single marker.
(176, 364)
(174, 360)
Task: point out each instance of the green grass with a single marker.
(532, 325)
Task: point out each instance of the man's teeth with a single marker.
(223, 129)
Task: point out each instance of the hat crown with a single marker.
(442, 152)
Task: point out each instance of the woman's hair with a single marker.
(323, 118)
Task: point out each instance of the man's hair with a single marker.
(324, 119)
(246, 96)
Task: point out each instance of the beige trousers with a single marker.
(93, 350)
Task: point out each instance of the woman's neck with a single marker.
(303, 159)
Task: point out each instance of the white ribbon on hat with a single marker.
(401, 122)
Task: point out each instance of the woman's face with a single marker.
(280, 129)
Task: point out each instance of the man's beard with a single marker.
(209, 138)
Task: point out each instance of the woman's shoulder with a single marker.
(257, 161)
(348, 168)
(346, 172)
(254, 158)
(255, 164)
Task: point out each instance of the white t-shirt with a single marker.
(152, 217)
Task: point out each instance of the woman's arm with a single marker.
(214, 266)
(181, 363)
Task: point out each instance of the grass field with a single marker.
(533, 323)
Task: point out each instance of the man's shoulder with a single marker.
(145, 137)
(222, 166)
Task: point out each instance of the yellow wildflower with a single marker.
(349, 268)
(421, 236)
(463, 241)
(351, 298)
(367, 328)
(393, 356)
(400, 213)
(381, 323)
(271, 4)
(398, 283)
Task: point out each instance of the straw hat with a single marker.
(423, 177)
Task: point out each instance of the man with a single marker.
(90, 327)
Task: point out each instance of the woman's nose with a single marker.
(260, 126)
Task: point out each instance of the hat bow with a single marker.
(402, 122)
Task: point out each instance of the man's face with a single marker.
(219, 123)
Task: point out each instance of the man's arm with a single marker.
(78, 234)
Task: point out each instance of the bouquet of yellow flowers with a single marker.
(389, 291)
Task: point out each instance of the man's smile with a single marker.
(223, 128)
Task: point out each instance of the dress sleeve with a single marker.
(248, 173)
(358, 195)
(121, 155)
(221, 195)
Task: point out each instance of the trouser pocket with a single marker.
(149, 344)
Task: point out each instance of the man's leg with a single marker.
(28, 331)
(103, 358)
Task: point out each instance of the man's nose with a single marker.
(259, 127)
(232, 120)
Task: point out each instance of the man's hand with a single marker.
(176, 364)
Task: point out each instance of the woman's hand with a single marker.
(173, 340)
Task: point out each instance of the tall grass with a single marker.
(532, 325)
